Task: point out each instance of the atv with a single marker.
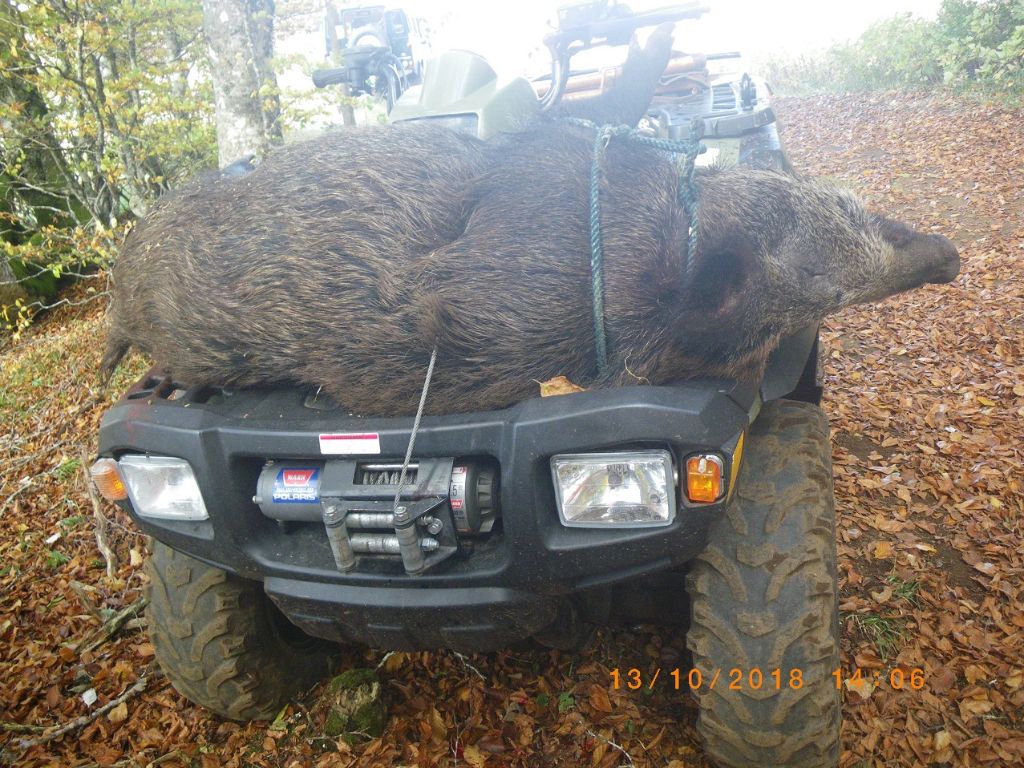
(705, 505)
(377, 49)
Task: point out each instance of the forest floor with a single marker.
(925, 396)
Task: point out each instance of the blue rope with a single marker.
(687, 152)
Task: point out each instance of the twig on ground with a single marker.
(19, 728)
(84, 720)
(82, 593)
(112, 626)
(23, 485)
(102, 524)
(610, 743)
(467, 665)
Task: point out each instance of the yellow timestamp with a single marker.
(755, 678)
(899, 679)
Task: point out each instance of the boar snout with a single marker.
(917, 258)
(943, 259)
(927, 259)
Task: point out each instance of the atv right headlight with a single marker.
(162, 487)
(598, 490)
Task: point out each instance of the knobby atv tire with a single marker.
(764, 597)
(222, 643)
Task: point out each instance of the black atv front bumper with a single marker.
(529, 573)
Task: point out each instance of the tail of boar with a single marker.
(116, 349)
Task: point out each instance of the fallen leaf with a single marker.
(474, 756)
(863, 687)
(559, 385)
(599, 699)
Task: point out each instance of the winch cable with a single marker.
(415, 429)
(687, 150)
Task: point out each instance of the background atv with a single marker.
(377, 49)
(276, 529)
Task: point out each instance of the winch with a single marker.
(442, 500)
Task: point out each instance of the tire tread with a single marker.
(214, 639)
(772, 557)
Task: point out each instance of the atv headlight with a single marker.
(162, 487)
(597, 490)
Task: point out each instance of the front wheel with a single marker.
(764, 603)
(222, 643)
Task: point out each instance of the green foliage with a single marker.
(983, 41)
(972, 44)
(885, 632)
(905, 590)
(566, 702)
(67, 469)
(55, 559)
(103, 107)
(48, 259)
(39, 279)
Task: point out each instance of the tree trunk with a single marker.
(348, 114)
(239, 34)
(10, 289)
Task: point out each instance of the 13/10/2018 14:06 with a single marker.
(756, 679)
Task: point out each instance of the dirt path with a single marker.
(926, 401)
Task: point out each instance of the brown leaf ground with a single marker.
(925, 397)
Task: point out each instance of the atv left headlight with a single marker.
(162, 487)
(599, 490)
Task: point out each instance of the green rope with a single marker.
(687, 152)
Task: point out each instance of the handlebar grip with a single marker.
(325, 77)
(609, 30)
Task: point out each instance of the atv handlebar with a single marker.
(577, 32)
(616, 30)
(324, 77)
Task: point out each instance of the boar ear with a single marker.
(723, 273)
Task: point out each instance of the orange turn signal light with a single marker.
(704, 478)
(107, 479)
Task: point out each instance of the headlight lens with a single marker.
(162, 487)
(597, 490)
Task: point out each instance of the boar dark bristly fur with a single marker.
(342, 261)
(339, 218)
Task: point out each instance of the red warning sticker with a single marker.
(350, 444)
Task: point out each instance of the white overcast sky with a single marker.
(506, 31)
(509, 32)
